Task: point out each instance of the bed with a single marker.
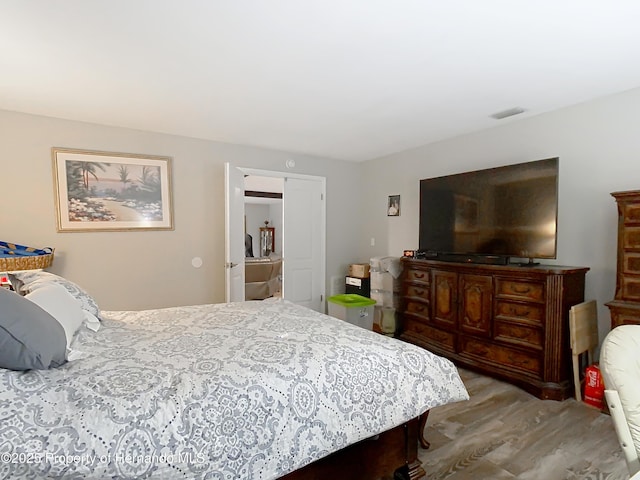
(253, 390)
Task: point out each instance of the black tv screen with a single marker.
(506, 211)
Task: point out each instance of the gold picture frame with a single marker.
(107, 191)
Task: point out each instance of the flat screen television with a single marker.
(501, 212)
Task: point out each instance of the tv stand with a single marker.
(505, 321)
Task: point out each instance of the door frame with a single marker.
(233, 290)
(323, 219)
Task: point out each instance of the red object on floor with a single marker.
(594, 387)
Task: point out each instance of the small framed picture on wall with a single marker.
(393, 208)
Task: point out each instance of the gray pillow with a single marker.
(30, 338)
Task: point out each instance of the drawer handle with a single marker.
(521, 289)
(478, 350)
(419, 308)
(519, 335)
(418, 274)
(520, 313)
(419, 292)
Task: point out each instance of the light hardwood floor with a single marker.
(502, 432)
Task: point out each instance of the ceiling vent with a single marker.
(507, 113)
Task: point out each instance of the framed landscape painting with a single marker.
(99, 191)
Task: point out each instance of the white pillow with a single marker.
(31, 280)
(91, 321)
(61, 305)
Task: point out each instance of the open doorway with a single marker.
(263, 221)
(263, 208)
(303, 236)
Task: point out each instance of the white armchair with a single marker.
(620, 367)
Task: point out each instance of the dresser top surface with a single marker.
(511, 268)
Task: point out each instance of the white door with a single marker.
(234, 238)
(304, 242)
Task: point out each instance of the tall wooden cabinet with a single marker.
(625, 307)
(509, 322)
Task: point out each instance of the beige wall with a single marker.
(597, 143)
(599, 149)
(149, 269)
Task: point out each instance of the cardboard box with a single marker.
(360, 270)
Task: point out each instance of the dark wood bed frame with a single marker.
(391, 455)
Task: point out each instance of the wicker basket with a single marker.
(11, 263)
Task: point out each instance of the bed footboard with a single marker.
(392, 455)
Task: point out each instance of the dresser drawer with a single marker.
(518, 334)
(631, 213)
(429, 334)
(414, 275)
(531, 312)
(631, 237)
(506, 357)
(631, 288)
(523, 289)
(419, 309)
(621, 316)
(631, 263)
(417, 291)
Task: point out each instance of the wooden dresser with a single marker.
(509, 322)
(625, 307)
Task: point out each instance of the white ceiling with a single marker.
(346, 79)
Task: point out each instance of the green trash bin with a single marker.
(352, 308)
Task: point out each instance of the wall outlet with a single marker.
(373, 242)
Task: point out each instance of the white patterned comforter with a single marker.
(229, 391)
